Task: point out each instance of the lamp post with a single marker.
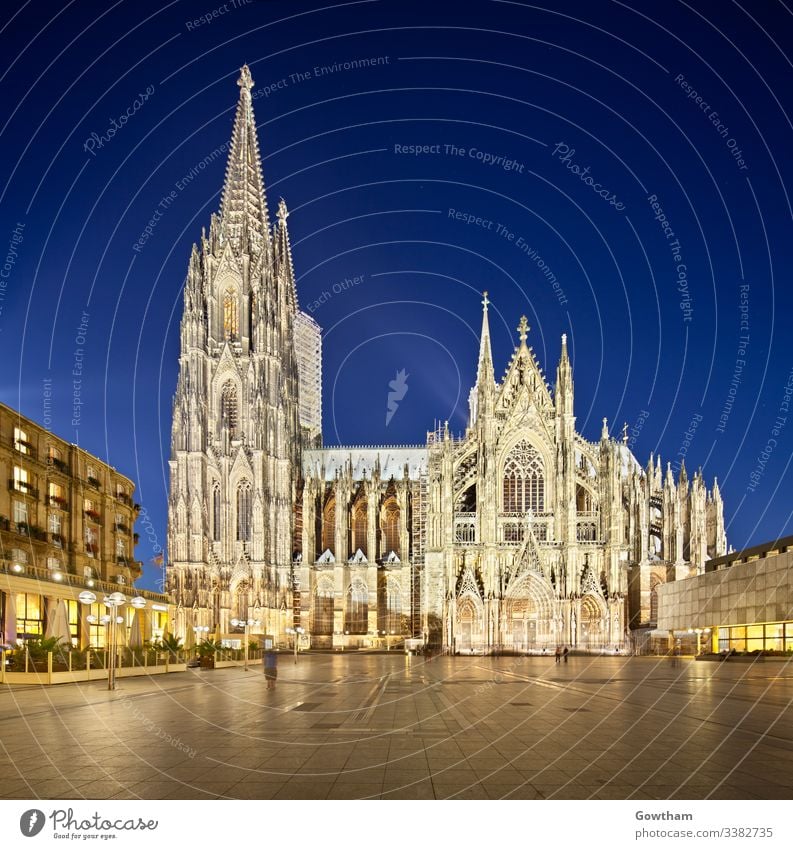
(296, 632)
(111, 621)
(246, 624)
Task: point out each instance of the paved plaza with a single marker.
(393, 727)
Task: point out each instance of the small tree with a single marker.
(207, 648)
(170, 643)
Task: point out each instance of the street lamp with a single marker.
(296, 632)
(246, 624)
(111, 621)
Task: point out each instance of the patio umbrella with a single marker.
(57, 620)
(136, 630)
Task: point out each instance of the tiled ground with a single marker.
(368, 726)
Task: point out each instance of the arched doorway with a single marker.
(469, 636)
(528, 623)
(594, 627)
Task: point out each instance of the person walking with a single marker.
(558, 654)
(565, 653)
(270, 661)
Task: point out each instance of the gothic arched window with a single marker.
(216, 512)
(356, 613)
(231, 321)
(524, 480)
(228, 409)
(359, 527)
(391, 528)
(244, 512)
(329, 525)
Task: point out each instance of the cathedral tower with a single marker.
(236, 434)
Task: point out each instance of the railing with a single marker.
(59, 464)
(73, 580)
(58, 501)
(93, 516)
(24, 487)
(28, 449)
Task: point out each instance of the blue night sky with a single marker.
(637, 154)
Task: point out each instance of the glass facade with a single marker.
(774, 636)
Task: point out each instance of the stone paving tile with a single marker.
(434, 731)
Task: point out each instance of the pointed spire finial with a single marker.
(523, 329)
(625, 433)
(485, 302)
(245, 80)
(604, 432)
(283, 212)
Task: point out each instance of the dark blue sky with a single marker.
(685, 106)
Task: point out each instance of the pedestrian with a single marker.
(270, 661)
(558, 654)
(565, 653)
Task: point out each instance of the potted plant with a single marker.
(206, 652)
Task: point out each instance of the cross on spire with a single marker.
(485, 301)
(523, 328)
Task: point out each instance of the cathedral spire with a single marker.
(243, 206)
(283, 251)
(485, 376)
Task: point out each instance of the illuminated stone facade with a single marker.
(518, 535)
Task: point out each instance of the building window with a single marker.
(230, 315)
(56, 495)
(216, 512)
(21, 479)
(391, 528)
(53, 564)
(329, 526)
(121, 550)
(228, 409)
(524, 480)
(18, 555)
(586, 532)
(244, 512)
(21, 441)
(360, 527)
(356, 613)
(323, 613)
(91, 542)
(30, 615)
(21, 512)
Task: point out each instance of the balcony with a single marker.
(91, 549)
(121, 527)
(31, 531)
(95, 482)
(25, 447)
(93, 516)
(57, 540)
(69, 578)
(24, 487)
(124, 498)
(58, 464)
(59, 502)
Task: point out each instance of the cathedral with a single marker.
(518, 535)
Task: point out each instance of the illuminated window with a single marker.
(30, 616)
(524, 480)
(18, 555)
(21, 479)
(391, 528)
(73, 618)
(55, 523)
(329, 525)
(21, 441)
(323, 612)
(121, 549)
(230, 315)
(360, 527)
(53, 564)
(356, 612)
(244, 512)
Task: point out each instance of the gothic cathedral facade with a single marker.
(518, 535)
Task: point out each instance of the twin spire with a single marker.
(243, 206)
